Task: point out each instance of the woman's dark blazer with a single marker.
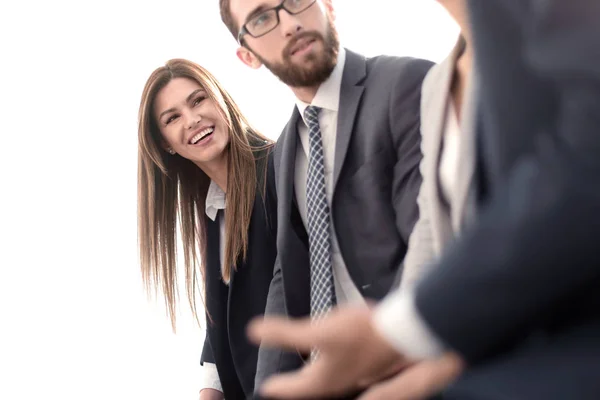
(232, 306)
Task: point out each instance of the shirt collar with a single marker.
(328, 94)
(215, 200)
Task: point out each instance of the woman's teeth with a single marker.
(201, 135)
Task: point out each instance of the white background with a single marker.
(75, 322)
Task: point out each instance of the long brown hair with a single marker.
(172, 190)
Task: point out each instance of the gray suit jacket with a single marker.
(376, 181)
(530, 263)
(438, 224)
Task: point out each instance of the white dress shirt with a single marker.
(448, 170)
(397, 318)
(328, 99)
(215, 201)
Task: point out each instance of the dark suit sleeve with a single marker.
(535, 245)
(269, 358)
(406, 137)
(207, 354)
(274, 360)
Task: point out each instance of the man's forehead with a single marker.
(241, 9)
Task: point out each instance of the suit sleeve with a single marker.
(406, 138)
(535, 245)
(269, 358)
(209, 378)
(207, 354)
(273, 360)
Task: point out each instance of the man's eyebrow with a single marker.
(257, 10)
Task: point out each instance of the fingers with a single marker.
(302, 334)
(284, 333)
(418, 382)
(304, 384)
(391, 371)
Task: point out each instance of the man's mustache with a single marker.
(287, 51)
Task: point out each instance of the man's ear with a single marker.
(248, 57)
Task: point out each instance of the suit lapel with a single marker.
(432, 130)
(355, 71)
(216, 294)
(284, 165)
(462, 202)
(230, 308)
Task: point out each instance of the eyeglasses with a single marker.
(264, 22)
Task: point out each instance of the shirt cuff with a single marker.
(210, 377)
(397, 319)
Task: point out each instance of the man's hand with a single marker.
(352, 354)
(419, 381)
(211, 394)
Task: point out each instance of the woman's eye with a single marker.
(198, 100)
(170, 119)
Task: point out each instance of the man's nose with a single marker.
(290, 24)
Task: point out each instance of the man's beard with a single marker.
(320, 64)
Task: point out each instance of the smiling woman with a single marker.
(193, 127)
(197, 150)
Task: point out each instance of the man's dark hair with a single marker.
(227, 18)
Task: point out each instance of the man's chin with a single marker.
(308, 70)
(303, 68)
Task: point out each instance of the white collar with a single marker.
(328, 94)
(215, 200)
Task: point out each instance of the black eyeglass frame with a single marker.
(281, 6)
